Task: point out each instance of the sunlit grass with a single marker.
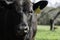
(44, 33)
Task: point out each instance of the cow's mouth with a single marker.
(22, 32)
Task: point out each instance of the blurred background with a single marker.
(49, 12)
(48, 20)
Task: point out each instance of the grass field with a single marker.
(44, 33)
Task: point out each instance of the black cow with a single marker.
(17, 20)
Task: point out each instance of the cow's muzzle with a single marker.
(22, 29)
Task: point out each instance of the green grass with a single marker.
(44, 33)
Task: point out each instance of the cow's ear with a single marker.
(40, 4)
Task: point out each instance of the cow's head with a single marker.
(26, 9)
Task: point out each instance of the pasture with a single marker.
(44, 33)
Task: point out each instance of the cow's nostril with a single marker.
(26, 29)
(23, 24)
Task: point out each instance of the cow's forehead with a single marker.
(28, 2)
